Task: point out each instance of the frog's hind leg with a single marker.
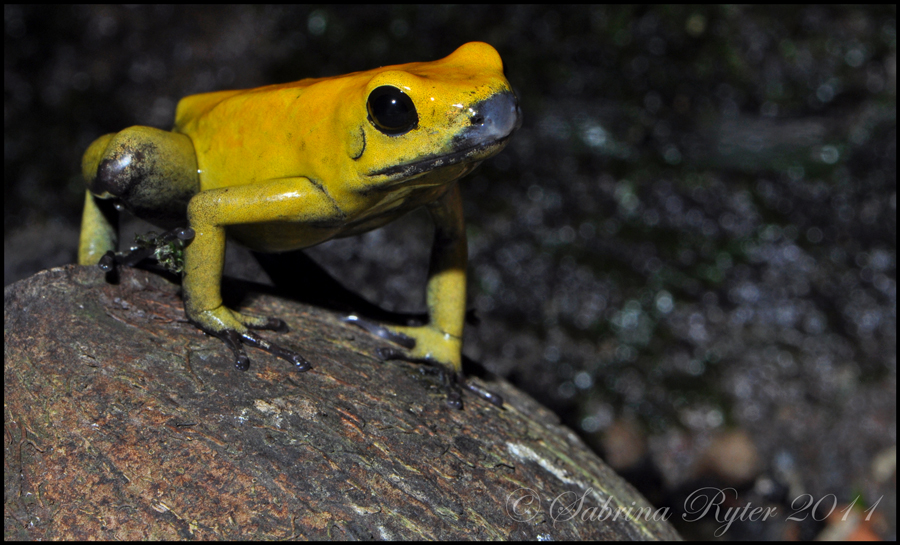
(150, 171)
(99, 230)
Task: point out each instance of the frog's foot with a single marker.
(111, 260)
(453, 382)
(234, 330)
(430, 346)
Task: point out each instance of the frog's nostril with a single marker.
(477, 120)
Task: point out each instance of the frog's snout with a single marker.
(494, 118)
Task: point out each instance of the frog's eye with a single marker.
(391, 110)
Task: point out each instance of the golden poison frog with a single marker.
(291, 165)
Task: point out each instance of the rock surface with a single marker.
(123, 421)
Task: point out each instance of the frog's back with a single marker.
(247, 136)
(195, 106)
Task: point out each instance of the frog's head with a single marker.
(431, 122)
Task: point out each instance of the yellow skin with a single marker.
(288, 166)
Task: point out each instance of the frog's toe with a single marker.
(455, 383)
(386, 353)
(232, 340)
(486, 395)
(262, 322)
(451, 388)
(385, 333)
(254, 340)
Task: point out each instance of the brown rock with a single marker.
(123, 421)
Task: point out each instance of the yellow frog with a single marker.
(291, 165)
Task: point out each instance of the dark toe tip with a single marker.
(242, 362)
(301, 364)
(389, 354)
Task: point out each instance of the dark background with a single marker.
(688, 250)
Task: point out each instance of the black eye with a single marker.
(391, 110)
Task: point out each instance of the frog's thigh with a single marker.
(154, 172)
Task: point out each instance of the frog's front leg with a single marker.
(440, 341)
(154, 173)
(284, 200)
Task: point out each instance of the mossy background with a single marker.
(694, 231)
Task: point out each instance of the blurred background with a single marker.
(688, 251)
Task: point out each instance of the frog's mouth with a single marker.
(472, 154)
